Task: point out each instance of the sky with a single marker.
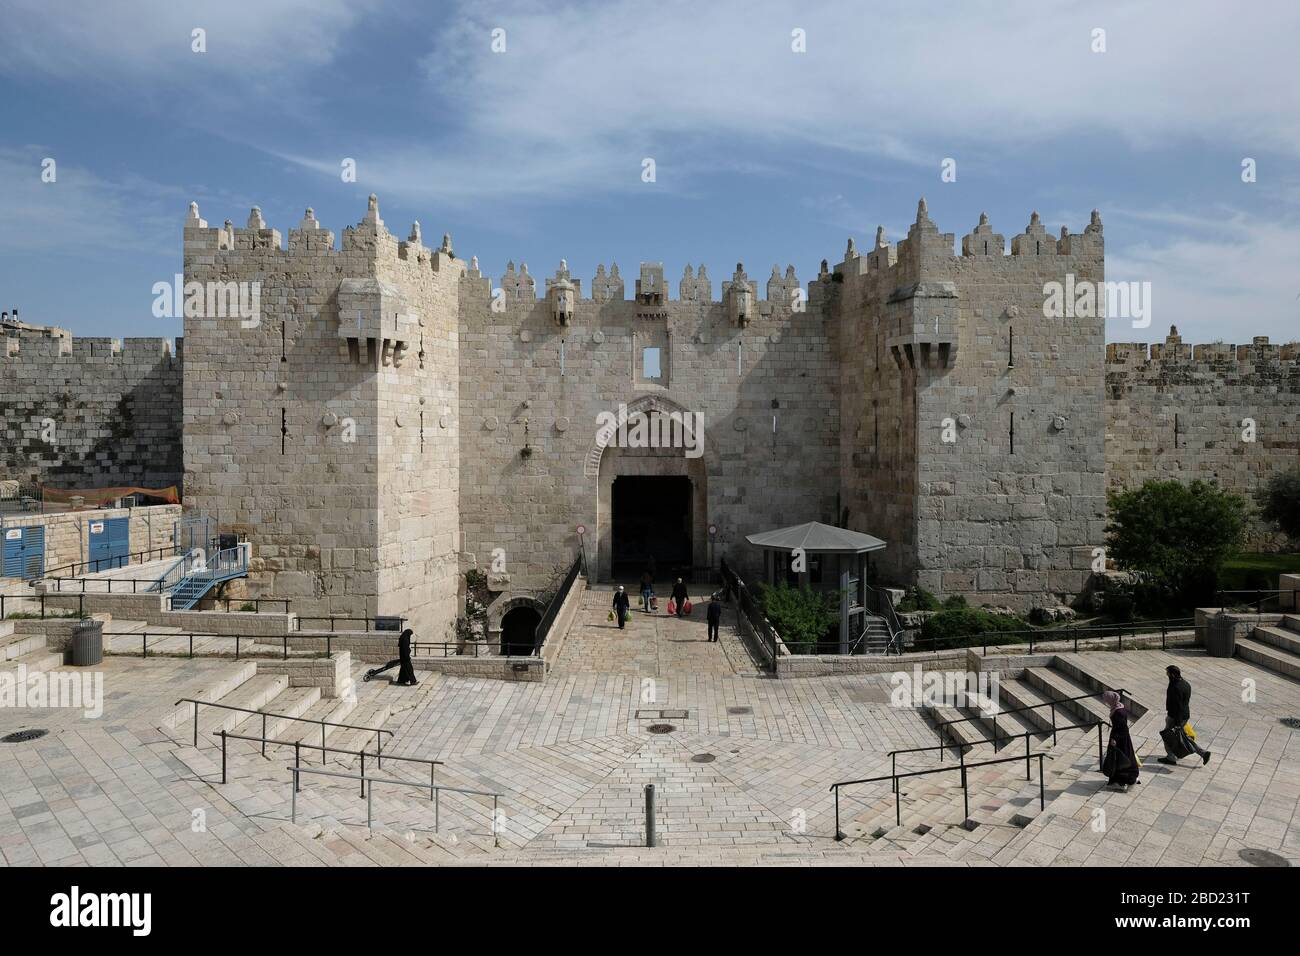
(776, 130)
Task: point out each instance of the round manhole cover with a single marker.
(660, 728)
(1262, 857)
(740, 710)
(703, 758)
(1292, 722)
(22, 736)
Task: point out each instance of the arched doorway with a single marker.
(519, 631)
(651, 501)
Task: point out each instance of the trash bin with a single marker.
(1221, 636)
(88, 643)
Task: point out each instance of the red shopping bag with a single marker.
(686, 607)
(672, 606)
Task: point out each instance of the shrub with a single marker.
(954, 602)
(1177, 535)
(954, 627)
(917, 599)
(802, 617)
(1279, 503)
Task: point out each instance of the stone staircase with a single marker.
(331, 814)
(934, 821)
(29, 650)
(1274, 646)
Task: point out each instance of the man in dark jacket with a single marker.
(714, 618)
(1178, 711)
(680, 597)
(620, 606)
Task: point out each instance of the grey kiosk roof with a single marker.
(815, 537)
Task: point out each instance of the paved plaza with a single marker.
(742, 771)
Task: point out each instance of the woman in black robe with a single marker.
(406, 670)
(1120, 763)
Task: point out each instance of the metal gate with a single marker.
(108, 544)
(24, 552)
(195, 532)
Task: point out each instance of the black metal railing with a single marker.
(8, 602)
(377, 731)
(1276, 601)
(1029, 638)
(942, 726)
(325, 750)
(961, 768)
(376, 622)
(190, 636)
(749, 613)
(78, 568)
(295, 771)
(543, 629)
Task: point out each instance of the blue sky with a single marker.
(763, 155)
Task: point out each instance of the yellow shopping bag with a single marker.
(611, 616)
(1187, 729)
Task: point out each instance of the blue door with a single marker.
(109, 544)
(24, 552)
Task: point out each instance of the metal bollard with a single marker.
(650, 814)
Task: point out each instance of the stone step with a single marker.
(1282, 638)
(254, 694)
(1016, 694)
(963, 733)
(1073, 668)
(1005, 729)
(234, 676)
(332, 709)
(1059, 686)
(1291, 622)
(290, 703)
(6, 629)
(1269, 657)
(16, 645)
(42, 659)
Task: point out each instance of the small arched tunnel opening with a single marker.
(519, 631)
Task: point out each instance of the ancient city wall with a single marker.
(89, 412)
(766, 390)
(310, 429)
(1219, 412)
(978, 431)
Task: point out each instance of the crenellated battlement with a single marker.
(925, 244)
(44, 344)
(369, 239)
(1174, 353)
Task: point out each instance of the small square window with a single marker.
(650, 363)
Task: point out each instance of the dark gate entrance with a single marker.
(519, 631)
(651, 517)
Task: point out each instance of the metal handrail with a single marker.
(297, 756)
(284, 639)
(436, 790)
(248, 710)
(1122, 691)
(162, 551)
(963, 767)
(543, 629)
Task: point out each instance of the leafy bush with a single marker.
(1177, 535)
(1279, 503)
(802, 617)
(954, 627)
(917, 599)
(954, 602)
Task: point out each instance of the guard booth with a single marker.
(108, 543)
(24, 551)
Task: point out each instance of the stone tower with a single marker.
(324, 427)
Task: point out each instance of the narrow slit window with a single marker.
(650, 362)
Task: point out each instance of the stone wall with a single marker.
(765, 391)
(973, 425)
(325, 429)
(151, 527)
(89, 412)
(1223, 413)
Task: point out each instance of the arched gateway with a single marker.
(651, 490)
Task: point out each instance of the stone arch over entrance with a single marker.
(519, 609)
(608, 461)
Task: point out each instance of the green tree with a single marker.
(1279, 503)
(802, 617)
(1177, 534)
